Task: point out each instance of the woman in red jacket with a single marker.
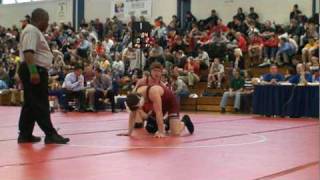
(255, 47)
(270, 47)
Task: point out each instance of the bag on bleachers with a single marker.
(16, 97)
(5, 97)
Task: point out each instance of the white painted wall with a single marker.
(102, 9)
(97, 9)
(277, 10)
(164, 8)
(11, 14)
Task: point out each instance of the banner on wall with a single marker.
(125, 8)
(118, 8)
(62, 10)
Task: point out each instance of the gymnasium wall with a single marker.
(277, 10)
(102, 9)
(274, 10)
(11, 14)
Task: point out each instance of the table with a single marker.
(289, 100)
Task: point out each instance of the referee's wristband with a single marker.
(32, 69)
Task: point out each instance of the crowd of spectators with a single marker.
(99, 60)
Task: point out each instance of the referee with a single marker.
(33, 72)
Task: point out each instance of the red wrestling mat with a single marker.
(224, 147)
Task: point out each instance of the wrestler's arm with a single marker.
(132, 116)
(155, 97)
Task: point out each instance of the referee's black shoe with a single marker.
(28, 139)
(56, 139)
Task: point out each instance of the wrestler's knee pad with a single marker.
(167, 124)
(188, 123)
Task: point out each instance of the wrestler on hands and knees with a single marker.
(163, 102)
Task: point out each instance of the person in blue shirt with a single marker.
(73, 86)
(84, 47)
(3, 85)
(274, 76)
(302, 77)
(286, 50)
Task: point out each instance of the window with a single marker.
(21, 1)
(17, 1)
(8, 1)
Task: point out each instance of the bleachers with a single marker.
(212, 103)
(11, 97)
(202, 103)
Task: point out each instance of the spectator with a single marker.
(191, 72)
(238, 26)
(178, 45)
(157, 49)
(129, 56)
(255, 47)
(240, 15)
(219, 39)
(302, 77)
(236, 87)
(238, 60)
(270, 47)
(179, 87)
(58, 63)
(4, 77)
(103, 89)
(309, 49)
(285, 51)
(100, 49)
(290, 72)
(314, 63)
(74, 88)
(220, 27)
(189, 20)
(175, 23)
(107, 26)
(212, 20)
(84, 47)
(241, 42)
(203, 57)
(99, 28)
(118, 66)
(273, 77)
(311, 31)
(216, 73)
(267, 30)
(295, 30)
(295, 13)
(160, 32)
(253, 15)
(3, 85)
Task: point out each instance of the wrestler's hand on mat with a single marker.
(159, 135)
(123, 134)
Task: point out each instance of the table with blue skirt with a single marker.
(288, 100)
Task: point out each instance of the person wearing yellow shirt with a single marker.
(309, 49)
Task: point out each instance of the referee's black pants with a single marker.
(36, 104)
